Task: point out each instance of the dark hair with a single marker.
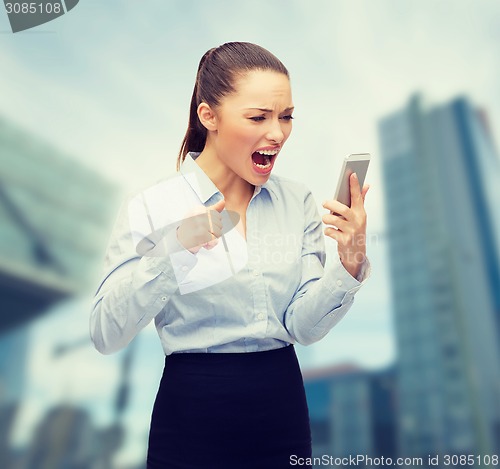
(218, 69)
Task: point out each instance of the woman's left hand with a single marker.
(350, 223)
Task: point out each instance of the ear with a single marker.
(207, 116)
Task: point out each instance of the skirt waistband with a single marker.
(225, 357)
(236, 364)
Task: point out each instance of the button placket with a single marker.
(258, 286)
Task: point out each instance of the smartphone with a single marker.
(355, 163)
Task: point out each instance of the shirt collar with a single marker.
(203, 185)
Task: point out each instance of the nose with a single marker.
(275, 132)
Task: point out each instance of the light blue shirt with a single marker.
(258, 294)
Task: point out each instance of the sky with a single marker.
(109, 84)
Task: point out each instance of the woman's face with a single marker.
(253, 123)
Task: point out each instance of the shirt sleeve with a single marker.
(134, 288)
(324, 296)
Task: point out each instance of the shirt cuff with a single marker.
(341, 284)
(172, 259)
(182, 263)
(182, 260)
(365, 271)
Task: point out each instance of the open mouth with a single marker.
(263, 160)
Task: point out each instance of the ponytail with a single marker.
(196, 134)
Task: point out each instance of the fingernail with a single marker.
(355, 176)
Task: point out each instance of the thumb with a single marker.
(219, 206)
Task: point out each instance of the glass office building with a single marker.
(351, 411)
(439, 166)
(54, 219)
(55, 216)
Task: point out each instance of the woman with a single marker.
(229, 262)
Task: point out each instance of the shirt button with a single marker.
(163, 298)
(184, 268)
(339, 283)
(260, 316)
(256, 272)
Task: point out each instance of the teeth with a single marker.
(267, 152)
(263, 165)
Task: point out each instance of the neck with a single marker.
(234, 189)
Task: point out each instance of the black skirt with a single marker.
(230, 411)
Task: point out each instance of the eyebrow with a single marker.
(288, 109)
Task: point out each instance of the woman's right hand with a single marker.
(202, 229)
